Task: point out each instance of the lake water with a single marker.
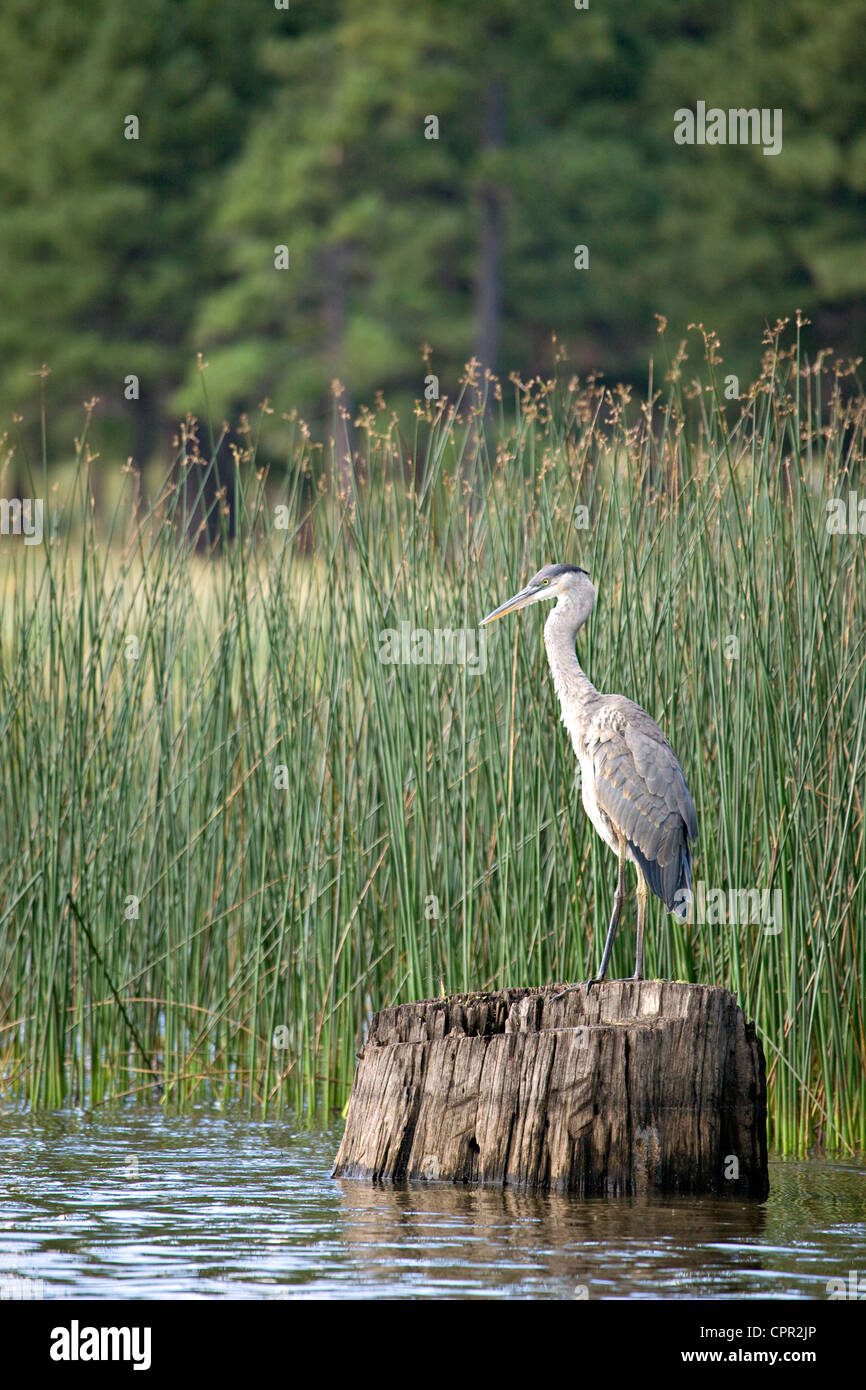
(208, 1205)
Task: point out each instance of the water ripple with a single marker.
(138, 1205)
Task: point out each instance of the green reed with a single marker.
(231, 829)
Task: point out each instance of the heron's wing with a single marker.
(640, 786)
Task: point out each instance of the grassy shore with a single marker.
(231, 828)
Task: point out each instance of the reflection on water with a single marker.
(207, 1205)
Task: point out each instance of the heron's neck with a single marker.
(560, 633)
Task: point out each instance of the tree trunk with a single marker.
(637, 1087)
(491, 243)
(207, 504)
(145, 430)
(335, 315)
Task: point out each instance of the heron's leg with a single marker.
(618, 898)
(642, 894)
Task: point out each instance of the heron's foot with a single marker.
(581, 984)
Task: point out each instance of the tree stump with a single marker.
(639, 1086)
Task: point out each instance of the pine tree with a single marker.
(117, 124)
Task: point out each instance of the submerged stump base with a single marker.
(639, 1086)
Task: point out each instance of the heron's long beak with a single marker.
(511, 604)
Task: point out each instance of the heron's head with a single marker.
(567, 583)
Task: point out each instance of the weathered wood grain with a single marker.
(637, 1087)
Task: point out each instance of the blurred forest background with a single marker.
(305, 126)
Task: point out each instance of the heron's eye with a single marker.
(545, 581)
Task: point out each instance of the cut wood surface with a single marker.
(636, 1087)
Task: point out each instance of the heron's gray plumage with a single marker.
(632, 786)
(640, 787)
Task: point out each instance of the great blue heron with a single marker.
(632, 786)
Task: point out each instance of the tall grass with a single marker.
(229, 840)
